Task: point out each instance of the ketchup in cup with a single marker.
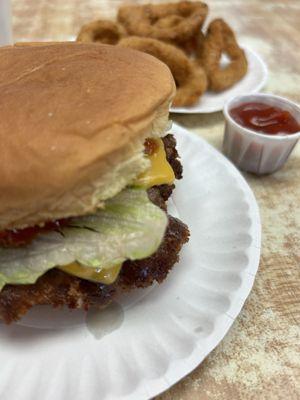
(265, 118)
(261, 131)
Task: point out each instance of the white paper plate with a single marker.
(253, 81)
(140, 348)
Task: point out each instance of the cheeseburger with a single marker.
(86, 169)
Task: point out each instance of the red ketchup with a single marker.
(20, 237)
(263, 118)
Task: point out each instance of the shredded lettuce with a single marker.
(130, 227)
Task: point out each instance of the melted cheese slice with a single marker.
(106, 276)
(160, 171)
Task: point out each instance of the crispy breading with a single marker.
(220, 39)
(190, 78)
(101, 31)
(173, 22)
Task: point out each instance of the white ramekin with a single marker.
(256, 152)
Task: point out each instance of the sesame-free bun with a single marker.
(73, 119)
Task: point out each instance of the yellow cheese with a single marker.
(106, 276)
(160, 171)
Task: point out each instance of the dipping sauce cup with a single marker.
(253, 151)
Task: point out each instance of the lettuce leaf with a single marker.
(130, 227)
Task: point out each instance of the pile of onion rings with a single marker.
(172, 32)
(176, 23)
(190, 79)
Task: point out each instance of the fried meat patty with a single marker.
(57, 288)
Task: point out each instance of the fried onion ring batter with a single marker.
(190, 79)
(220, 38)
(101, 31)
(173, 22)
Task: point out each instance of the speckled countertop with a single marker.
(260, 356)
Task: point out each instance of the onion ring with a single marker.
(171, 22)
(220, 38)
(101, 31)
(190, 79)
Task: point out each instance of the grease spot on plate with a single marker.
(101, 322)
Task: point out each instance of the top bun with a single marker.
(73, 121)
